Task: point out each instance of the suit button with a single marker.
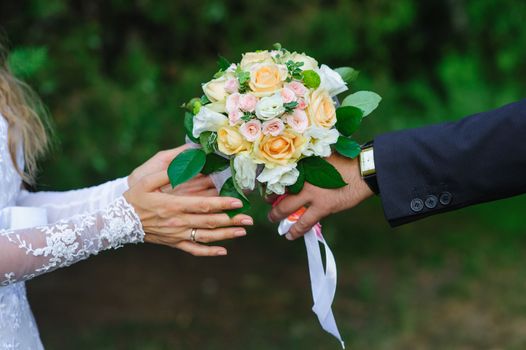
(445, 198)
(417, 205)
(431, 201)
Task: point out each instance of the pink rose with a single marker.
(232, 85)
(235, 116)
(302, 104)
(247, 102)
(288, 95)
(273, 127)
(299, 89)
(298, 121)
(251, 130)
(232, 103)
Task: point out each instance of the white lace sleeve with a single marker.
(60, 205)
(27, 253)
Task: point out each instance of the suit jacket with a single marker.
(438, 168)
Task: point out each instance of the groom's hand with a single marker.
(322, 202)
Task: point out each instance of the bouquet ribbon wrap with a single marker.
(323, 281)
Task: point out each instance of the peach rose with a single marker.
(230, 141)
(321, 110)
(278, 150)
(267, 78)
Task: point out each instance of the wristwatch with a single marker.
(367, 168)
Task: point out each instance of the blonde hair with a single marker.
(27, 120)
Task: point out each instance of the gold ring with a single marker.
(192, 235)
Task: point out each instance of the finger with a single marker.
(287, 206)
(201, 250)
(212, 221)
(154, 181)
(304, 224)
(205, 205)
(195, 185)
(168, 155)
(211, 192)
(174, 226)
(219, 234)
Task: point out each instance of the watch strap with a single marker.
(370, 179)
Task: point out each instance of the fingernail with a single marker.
(236, 204)
(289, 237)
(240, 233)
(221, 252)
(247, 222)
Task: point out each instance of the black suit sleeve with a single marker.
(443, 167)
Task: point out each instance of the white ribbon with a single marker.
(323, 282)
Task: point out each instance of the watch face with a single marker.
(367, 162)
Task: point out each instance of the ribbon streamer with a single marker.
(323, 281)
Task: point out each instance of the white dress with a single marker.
(80, 223)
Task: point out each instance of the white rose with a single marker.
(215, 89)
(278, 178)
(245, 171)
(320, 141)
(331, 81)
(218, 107)
(208, 120)
(270, 107)
(251, 58)
(308, 62)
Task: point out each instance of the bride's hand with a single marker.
(155, 164)
(198, 186)
(169, 219)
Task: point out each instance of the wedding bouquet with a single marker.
(272, 119)
(269, 122)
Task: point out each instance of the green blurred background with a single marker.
(114, 73)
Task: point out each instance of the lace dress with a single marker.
(80, 223)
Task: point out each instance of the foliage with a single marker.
(116, 73)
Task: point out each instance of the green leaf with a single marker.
(348, 74)
(214, 163)
(290, 106)
(348, 119)
(348, 148)
(223, 63)
(189, 126)
(208, 140)
(321, 173)
(186, 165)
(300, 182)
(229, 190)
(311, 79)
(25, 62)
(367, 101)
